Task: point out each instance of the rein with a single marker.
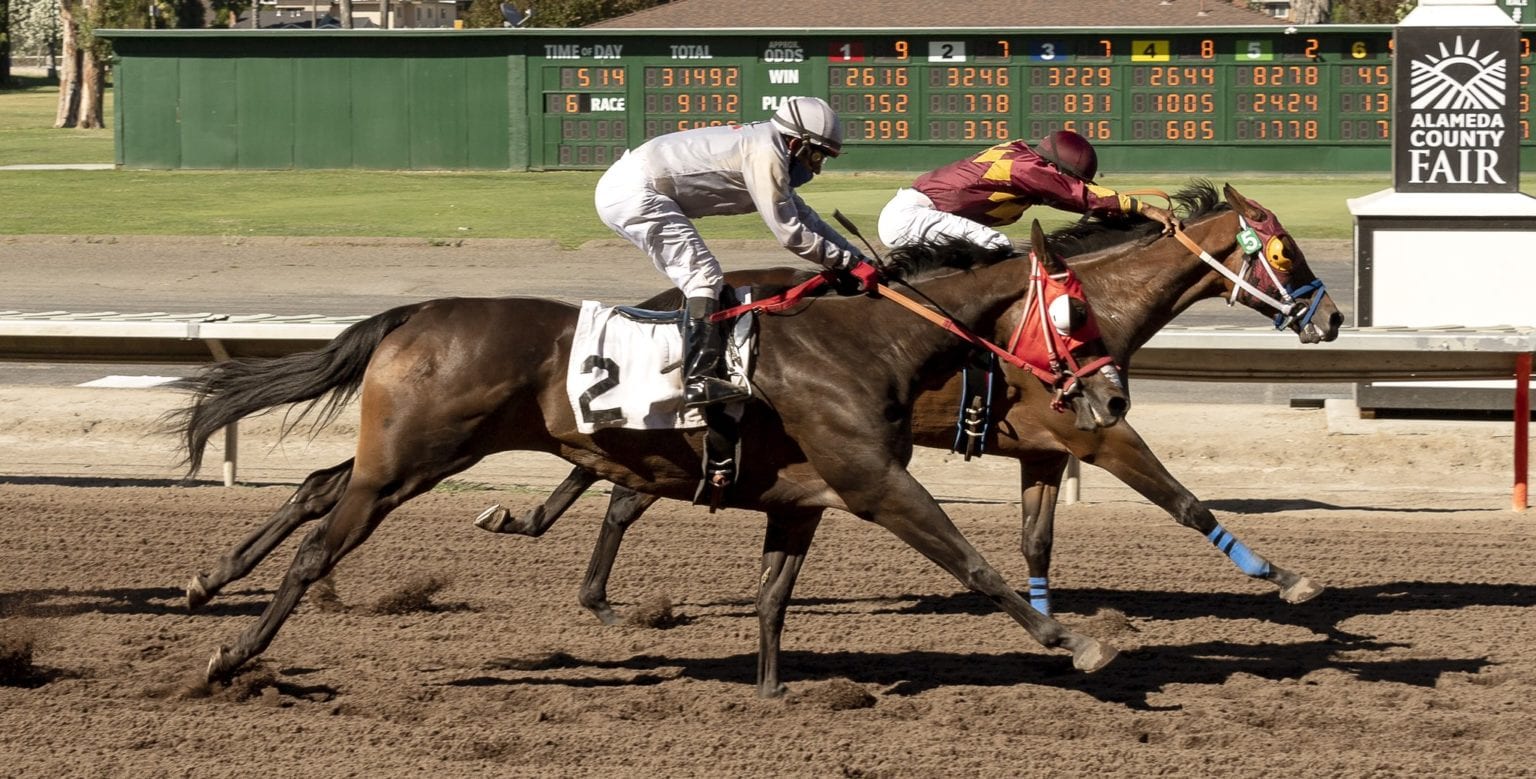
(1063, 373)
(777, 303)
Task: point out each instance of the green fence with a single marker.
(1174, 99)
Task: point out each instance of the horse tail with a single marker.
(228, 391)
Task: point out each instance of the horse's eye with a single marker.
(1079, 313)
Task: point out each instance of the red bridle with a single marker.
(1044, 344)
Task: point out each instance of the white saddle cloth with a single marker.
(628, 374)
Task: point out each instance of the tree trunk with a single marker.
(5, 43)
(69, 68)
(92, 71)
(346, 14)
(92, 88)
(1311, 11)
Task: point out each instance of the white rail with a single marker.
(1237, 354)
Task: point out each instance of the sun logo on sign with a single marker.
(1458, 80)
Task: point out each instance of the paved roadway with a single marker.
(364, 276)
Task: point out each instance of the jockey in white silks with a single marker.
(651, 195)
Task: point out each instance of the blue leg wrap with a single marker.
(1246, 559)
(1040, 594)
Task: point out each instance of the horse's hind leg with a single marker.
(359, 511)
(624, 507)
(312, 500)
(1127, 457)
(784, 547)
(497, 519)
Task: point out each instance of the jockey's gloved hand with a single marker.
(1163, 216)
(859, 277)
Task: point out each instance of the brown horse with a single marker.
(1137, 289)
(447, 382)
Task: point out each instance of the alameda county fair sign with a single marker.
(1456, 129)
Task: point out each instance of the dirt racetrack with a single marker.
(1419, 659)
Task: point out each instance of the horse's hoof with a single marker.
(197, 593)
(1093, 655)
(1301, 590)
(220, 666)
(775, 690)
(493, 519)
(605, 614)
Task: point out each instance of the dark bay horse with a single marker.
(444, 383)
(1137, 288)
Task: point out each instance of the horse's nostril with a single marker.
(1334, 323)
(1119, 406)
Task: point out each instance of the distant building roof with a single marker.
(990, 14)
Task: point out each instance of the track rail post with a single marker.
(232, 430)
(1522, 431)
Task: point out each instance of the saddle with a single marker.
(626, 372)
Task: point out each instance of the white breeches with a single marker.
(911, 218)
(653, 222)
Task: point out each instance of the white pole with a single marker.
(231, 430)
(1072, 484)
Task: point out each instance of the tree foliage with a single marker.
(34, 27)
(1371, 11)
(226, 13)
(483, 13)
(1311, 11)
(580, 13)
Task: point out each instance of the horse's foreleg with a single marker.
(1039, 481)
(784, 546)
(1127, 457)
(624, 507)
(901, 505)
(498, 519)
(312, 500)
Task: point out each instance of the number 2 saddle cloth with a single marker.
(626, 367)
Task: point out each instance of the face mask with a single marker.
(800, 173)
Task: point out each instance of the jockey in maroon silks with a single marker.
(969, 198)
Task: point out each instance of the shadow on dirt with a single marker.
(1136, 676)
(1321, 615)
(1130, 681)
(66, 602)
(111, 481)
(1272, 505)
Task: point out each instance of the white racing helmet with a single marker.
(810, 119)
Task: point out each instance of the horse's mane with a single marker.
(1092, 233)
(918, 259)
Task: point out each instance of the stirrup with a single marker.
(709, 391)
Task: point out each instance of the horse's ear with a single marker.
(1240, 204)
(1037, 245)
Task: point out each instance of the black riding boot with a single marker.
(702, 385)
